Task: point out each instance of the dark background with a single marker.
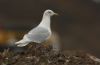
(78, 23)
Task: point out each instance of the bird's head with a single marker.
(50, 13)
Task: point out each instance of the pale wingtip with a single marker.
(18, 42)
(20, 45)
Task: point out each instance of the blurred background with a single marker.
(78, 23)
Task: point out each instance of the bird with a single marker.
(40, 33)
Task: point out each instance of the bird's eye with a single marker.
(49, 12)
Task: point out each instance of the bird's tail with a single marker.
(21, 43)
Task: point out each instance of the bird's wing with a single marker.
(38, 34)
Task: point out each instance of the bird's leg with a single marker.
(56, 47)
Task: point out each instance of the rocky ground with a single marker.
(38, 54)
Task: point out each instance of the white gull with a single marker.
(40, 33)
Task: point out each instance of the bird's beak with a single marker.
(55, 13)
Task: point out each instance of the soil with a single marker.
(37, 54)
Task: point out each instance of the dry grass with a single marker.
(37, 54)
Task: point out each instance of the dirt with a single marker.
(37, 54)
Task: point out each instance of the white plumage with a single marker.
(40, 33)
